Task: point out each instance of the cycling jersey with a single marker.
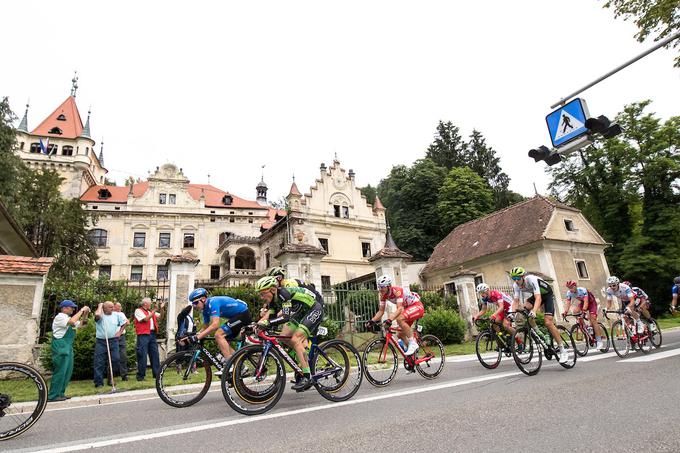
(532, 285)
(296, 283)
(581, 295)
(624, 293)
(639, 293)
(675, 290)
(394, 295)
(495, 297)
(223, 307)
(300, 306)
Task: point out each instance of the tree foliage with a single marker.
(658, 18)
(369, 192)
(464, 196)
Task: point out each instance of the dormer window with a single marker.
(55, 130)
(61, 117)
(227, 200)
(569, 225)
(104, 194)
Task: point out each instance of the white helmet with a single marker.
(384, 281)
(612, 280)
(482, 287)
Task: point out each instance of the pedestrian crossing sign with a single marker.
(568, 122)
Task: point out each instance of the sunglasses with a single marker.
(613, 285)
(516, 279)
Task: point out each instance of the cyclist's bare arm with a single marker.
(379, 314)
(210, 328)
(537, 302)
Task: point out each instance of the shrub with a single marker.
(431, 300)
(415, 288)
(445, 324)
(333, 329)
(247, 294)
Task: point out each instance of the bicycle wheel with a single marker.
(526, 352)
(254, 390)
(488, 350)
(336, 369)
(581, 341)
(430, 357)
(380, 362)
(655, 332)
(568, 342)
(605, 339)
(620, 339)
(645, 340)
(183, 379)
(23, 396)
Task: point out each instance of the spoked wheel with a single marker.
(526, 352)
(488, 350)
(655, 333)
(23, 396)
(380, 362)
(254, 382)
(568, 342)
(605, 341)
(645, 341)
(183, 379)
(620, 339)
(336, 368)
(430, 358)
(580, 340)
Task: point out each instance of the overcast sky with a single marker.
(222, 88)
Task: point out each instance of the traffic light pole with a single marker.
(614, 71)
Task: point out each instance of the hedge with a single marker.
(445, 324)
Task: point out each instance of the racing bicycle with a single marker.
(584, 337)
(23, 396)
(381, 361)
(492, 343)
(626, 338)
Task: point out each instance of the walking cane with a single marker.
(108, 351)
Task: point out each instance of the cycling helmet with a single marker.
(482, 287)
(612, 280)
(627, 283)
(570, 283)
(384, 281)
(676, 280)
(276, 271)
(517, 272)
(266, 282)
(197, 293)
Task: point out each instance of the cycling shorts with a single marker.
(547, 303)
(592, 307)
(413, 312)
(307, 320)
(234, 324)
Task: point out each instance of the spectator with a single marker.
(146, 326)
(63, 332)
(108, 327)
(122, 343)
(185, 326)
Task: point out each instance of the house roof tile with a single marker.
(24, 265)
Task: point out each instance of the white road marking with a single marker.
(652, 357)
(244, 420)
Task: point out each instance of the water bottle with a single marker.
(401, 345)
(590, 331)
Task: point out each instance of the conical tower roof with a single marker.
(23, 126)
(65, 119)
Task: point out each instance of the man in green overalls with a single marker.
(63, 332)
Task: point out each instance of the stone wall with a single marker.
(18, 326)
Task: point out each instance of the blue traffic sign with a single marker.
(568, 122)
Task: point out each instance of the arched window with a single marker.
(98, 237)
(35, 148)
(67, 150)
(55, 130)
(61, 117)
(245, 258)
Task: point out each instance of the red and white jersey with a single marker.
(498, 298)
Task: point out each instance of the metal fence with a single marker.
(91, 293)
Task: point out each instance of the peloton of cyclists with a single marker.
(409, 309)
(502, 301)
(540, 296)
(584, 302)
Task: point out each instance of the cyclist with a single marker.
(541, 296)
(279, 273)
(642, 302)
(409, 309)
(302, 313)
(586, 304)
(674, 292)
(627, 299)
(234, 310)
(501, 300)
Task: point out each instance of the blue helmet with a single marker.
(197, 293)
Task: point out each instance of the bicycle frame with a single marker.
(580, 321)
(630, 324)
(389, 335)
(498, 335)
(536, 337)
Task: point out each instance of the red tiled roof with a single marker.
(377, 204)
(213, 197)
(294, 189)
(271, 217)
(24, 265)
(514, 226)
(72, 127)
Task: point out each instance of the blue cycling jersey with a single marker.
(223, 307)
(675, 290)
(581, 294)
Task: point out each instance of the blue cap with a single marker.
(67, 303)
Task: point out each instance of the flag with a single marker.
(44, 146)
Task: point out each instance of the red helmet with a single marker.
(570, 283)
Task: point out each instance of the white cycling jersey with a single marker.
(623, 293)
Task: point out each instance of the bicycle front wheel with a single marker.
(580, 340)
(655, 333)
(336, 370)
(380, 362)
(526, 352)
(569, 346)
(183, 379)
(605, 335)
(488, 350)
(620, 339)
(430, 358)
(23, 396)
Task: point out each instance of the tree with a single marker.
(464, 196)
(131, 181)
(368, 192)
(11, 166)
(482, 159)
(652, 17)
(448, 149)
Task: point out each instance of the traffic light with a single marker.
(544, 153)
(602, 125)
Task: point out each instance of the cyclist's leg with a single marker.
(229, 331)
(410, 315)
(592, 310)
(305, 330)
(549, 310)
(405, 332)
(643, 309)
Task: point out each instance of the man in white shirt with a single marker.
(122, 344)
(63, 333)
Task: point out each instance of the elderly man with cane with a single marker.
(122, 344)
(146, 327)
(108, 329)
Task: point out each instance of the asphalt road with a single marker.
(604, 403)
